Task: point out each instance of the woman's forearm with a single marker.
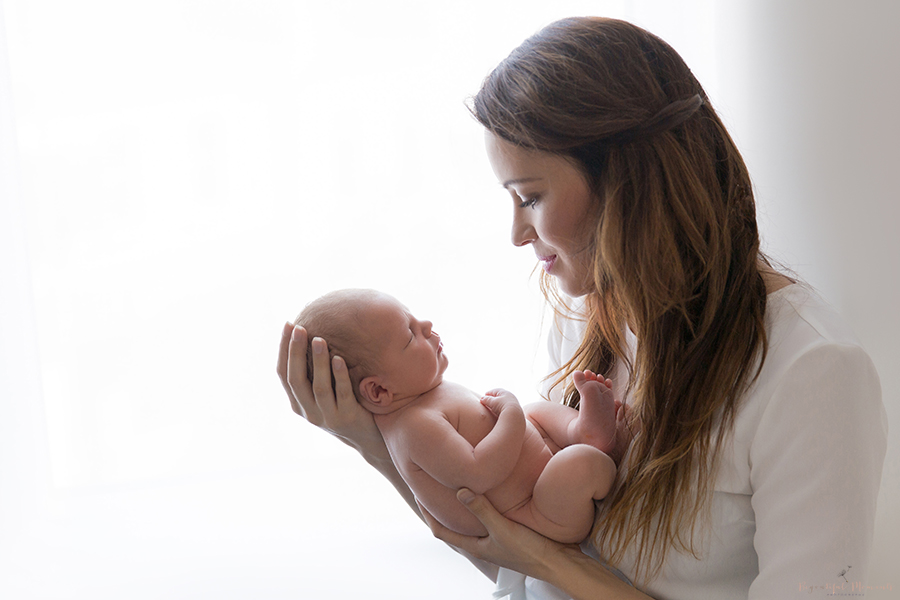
(384, 465)
(375, 453)
(344, 417)
(584, 578)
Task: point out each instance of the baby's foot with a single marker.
(597, 412)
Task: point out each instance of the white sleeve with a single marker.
(554, 345)
(815, 470)
(556, 338)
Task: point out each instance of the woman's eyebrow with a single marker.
(510, 182)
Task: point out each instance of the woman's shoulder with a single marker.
(816, 376)
(798, 320)
(813, 349)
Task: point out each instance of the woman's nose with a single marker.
(522, 232)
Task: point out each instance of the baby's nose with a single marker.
(426, 328)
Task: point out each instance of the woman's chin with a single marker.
(572, 289)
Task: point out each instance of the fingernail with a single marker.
(286, 330)
(318, 345)
(465, 495)
(295, 334)
(337, 363)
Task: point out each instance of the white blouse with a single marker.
(793, 507)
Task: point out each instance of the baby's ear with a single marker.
(374, 393)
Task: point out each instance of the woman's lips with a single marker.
(547, 262)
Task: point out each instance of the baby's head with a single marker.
(391, 356)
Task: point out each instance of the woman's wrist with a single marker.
(381, 460)
(377, 456)
(555, 564)
(375, 452)
(583, 577)
(370, 444)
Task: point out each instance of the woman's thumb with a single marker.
(465, 496)
(478, 505)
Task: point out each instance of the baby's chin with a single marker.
(440, 378)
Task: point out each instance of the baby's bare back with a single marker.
(426, 438)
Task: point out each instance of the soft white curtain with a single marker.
(180, 177)
(24, 461)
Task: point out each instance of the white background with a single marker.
(180, 177)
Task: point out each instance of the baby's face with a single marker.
(409, 354)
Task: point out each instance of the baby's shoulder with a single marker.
(451, 397)
(430, 413)
(448, 401)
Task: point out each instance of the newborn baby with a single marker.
(542, 466)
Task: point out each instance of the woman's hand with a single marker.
(507, 544)
(513, 546)
(333, 409)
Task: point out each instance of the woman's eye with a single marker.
(529, 203)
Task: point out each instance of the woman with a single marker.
(757, 423)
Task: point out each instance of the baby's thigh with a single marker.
(576, 474)
(552, 421)
(562, 504)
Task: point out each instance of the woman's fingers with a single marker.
(343, 389)
(483, 510)
(282, 367)
(326, 403)
(507, 544)
(322, 387)
(301, 391)
(457, 540)
(428, 518)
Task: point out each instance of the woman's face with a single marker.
(552, 211)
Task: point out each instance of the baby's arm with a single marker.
(436, 446)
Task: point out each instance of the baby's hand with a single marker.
(497, 400)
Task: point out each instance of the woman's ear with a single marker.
(374, 393)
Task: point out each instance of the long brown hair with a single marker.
(675, 258)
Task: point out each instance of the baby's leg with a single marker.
(562, 506)
(552, 420)
(596, 423)
(593, 424)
